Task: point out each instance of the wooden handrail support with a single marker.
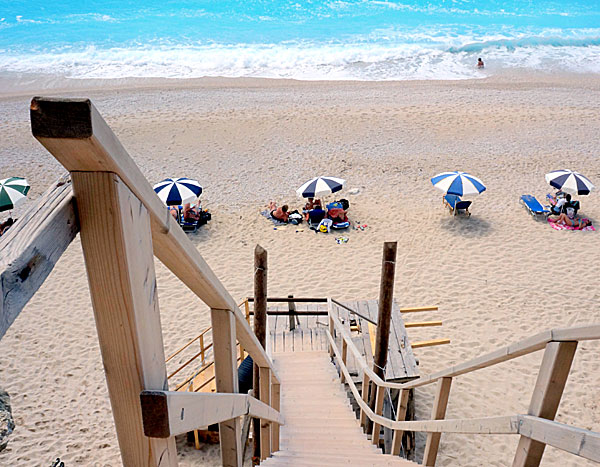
(170, 413)
(75, 133)
(181, 349)
(123, 222)
(583, 443)
(560, 347)
(32, 246)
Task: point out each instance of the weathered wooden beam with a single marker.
(226, 377)
(437, 413)
(293, 299)
(260, 330)
(583, 443)
(429, 343)
(117, 246)
(30, 249)
(170, 413)
(384, 317)
(546, 396)
(380, 394)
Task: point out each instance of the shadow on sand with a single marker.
(471, 227)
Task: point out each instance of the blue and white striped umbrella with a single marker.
(320, 186)
(570, 182)
(176, 191)
(458, 183)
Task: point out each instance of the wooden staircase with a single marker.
(320, 426)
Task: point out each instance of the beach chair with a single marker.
(456, 205)
(534, 207)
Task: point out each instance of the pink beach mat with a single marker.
(556, 226)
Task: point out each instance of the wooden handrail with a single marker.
(169, 413)
(188, 344)
(87, 144)
(581, 442)
(123, 225)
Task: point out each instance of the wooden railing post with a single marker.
(276, 404)
(226, 380)
(260, 330)
(265, 425)
(378, 411)
(366, 382)
(117, 245)
(438, 413)
(344, 358)
(202, 348)
(292, 310)
(548, 390)
(386, 298)
(400, 417)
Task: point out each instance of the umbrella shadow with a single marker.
(467, 226)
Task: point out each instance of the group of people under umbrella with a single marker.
(568, 183)
(182, 198)
(319, 217)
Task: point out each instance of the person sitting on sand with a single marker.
(480, 63)
(4, 226)
(279, 214)
(564, 219)
(174, 212)
(557, 208)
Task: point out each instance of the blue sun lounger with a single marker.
(455, 204)
(534, 207)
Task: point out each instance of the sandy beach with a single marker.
(497, 277)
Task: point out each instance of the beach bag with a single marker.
(295, 218)
(570, 211)
(325, 225)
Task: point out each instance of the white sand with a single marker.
(497, 277)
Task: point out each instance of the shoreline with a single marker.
(505, 77)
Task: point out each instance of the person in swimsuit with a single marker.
(564, 219)
(279, 214)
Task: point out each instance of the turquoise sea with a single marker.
(302, 39)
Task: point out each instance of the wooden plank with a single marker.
(418, 309)
(577, 333)
(225, 356)
(395, 365)
(582, 443)
(422, 324)
(365, 335)
(429, 343)
(117, 246)
(169, 413)
(546, 396)
(75, 133)
(378, 411)
(260, 325)
(404, 347)
(400, 417)
(265, 426)
(276, 404)
(30, 249)
(438, 413)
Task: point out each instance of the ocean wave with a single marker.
(309, 61)
(528, 42)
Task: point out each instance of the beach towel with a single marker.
(556, 226)
(267, 214)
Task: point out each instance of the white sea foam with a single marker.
(421, 56)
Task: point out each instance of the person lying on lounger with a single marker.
(191, 213)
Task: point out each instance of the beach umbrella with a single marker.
(320, 186)
(176, 191)
(458, 183)
(570, 182)
(13, 191)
